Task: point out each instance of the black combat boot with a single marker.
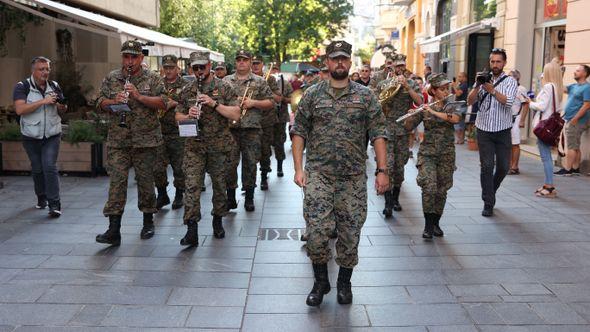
(388, 210)
(428, 226)
(263, 181)
(177, 204)
(280, 168)
(55, 209)
(304, 237)
(218, 231)
(113, 235)
(231, 199)
(437, 231)
(249, 202)
(395, 199)
(148, 229)
(344, 287)
(162, 198)
(191, 238)
(41, 202)
(321, 285)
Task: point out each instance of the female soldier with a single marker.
(436, 156)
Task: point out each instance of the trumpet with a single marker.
(423, 107)
(247, 94)
(123, 114)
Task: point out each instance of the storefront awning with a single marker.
(163, 44)
(432, 45)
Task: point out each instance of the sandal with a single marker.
(539, 189)
(547, 192)
(513, 171)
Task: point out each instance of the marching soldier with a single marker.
(208, 151)
(331, 123)
(220, 70)
(269, 119)
(132, 140)
(398, 147)
(254, 96)
(280, 133)
(171, 151)
(436, 157)
(388, 70)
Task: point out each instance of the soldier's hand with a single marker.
(381, 183)
(132, 90)
(247, 103)
(194, 112)
(300, 179)
(121, 97)
(206, 100)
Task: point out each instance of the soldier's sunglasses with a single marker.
(130, 56)
(199, 67)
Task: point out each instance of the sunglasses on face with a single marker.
(130, 56)
(199, 67)
(242, 60)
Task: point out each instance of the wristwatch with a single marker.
(380, 170)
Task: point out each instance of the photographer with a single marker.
(38, 101)
(495, 93)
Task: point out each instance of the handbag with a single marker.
(549, 130)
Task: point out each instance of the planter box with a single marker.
(472, 145)
(83, 158)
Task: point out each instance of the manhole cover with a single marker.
(270, 234)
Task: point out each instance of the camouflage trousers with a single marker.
(247, 145)
(435, 177)
(278, 142)
(196, 163)
(119, 161)
(266, 141)
(170, 153)
(334, 202)
(398, 154)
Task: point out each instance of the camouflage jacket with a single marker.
(143, 126)
(173, 90)
(286, 91)
(439, 135)
(311, 83)
(214, 134)
(372, 85)
(380, 76)
(253, 116)
(397, 106)
(269, 117)
(335, 129)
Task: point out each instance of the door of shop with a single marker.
(478, 52)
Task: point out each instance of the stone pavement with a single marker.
(526, 269)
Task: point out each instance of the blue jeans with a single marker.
(43, 156)
(545, 151)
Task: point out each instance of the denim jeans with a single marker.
(494, 150)
(547, 159)
(43, 156)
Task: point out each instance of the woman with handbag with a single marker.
(544, 107)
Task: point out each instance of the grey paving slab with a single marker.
(147, 316)
(21, 293)
(106, 295)
(417, 314)
(37, 314)
(215, 317)
(214, 297)
(91, 315)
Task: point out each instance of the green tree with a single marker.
(366, 52)
(483, 9)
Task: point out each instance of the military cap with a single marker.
(438, 80)
(199, 58)
(131, 47)
(399, 59)
(339, 48)
(220, 65)
(257, 58)
(169, 60)
(243, 54)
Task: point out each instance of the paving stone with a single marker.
(37, 314)
(214, 297)
(106, 295)
(147, 316)
(483, 313)
(557, 313)
(79, 262)
(431, 294)
(517, 313)
(417, 314)
(281, 322)
(21, 293)
(526, 289)
(477, 290)
(215, 317)
(91, 315)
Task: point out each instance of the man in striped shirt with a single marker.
(494, 121)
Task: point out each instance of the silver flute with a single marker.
(423, 107)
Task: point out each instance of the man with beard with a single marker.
(398, 153)
(171, 151)
(208, 151)
(331, 123)
(248, 130)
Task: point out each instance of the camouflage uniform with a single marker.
(334, 129)
(280, 134)
(173, 148)
(246, 132)
(209, 151)
(135, 146)
(269, 119)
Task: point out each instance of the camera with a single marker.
(483, 77)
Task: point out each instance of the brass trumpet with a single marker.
(247, 94)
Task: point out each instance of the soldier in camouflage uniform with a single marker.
(208, 151)
(386, 72)
(134, 145)
(331, 123)
(399, 150)
(436, 157)
(248, 130)
(279, 131)
(268, 120)
(171, 151)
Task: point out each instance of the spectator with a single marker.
(355, 76)
(296, 83)
(38, 101)
(548, 98)
(576, 116)
(520, 109)
(427, 72)
(461, 89)
(365, 78)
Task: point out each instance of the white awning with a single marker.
(432, 45)
(163, 44)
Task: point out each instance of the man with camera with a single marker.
(495, 92)
(38, 101)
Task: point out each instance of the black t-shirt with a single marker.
(465, 88)
(360, 81)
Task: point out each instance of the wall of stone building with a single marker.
(141, 12)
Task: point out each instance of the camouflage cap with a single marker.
(199, 58)
(220, 65)
(243, 54)
(438, 80)
(339, 48)
(257, 58)
(169, 60)
(131, 47)
(399, 59)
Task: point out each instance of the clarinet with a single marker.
(123, 115)
(199, 104)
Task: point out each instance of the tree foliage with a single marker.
(484, 9)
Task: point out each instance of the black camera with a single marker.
(483, 77)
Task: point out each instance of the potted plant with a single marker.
(81, 149)
(471, 135)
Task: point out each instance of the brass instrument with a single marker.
(123, 115)
(247, 94)
(423, 107)
(295, 99)
(268, 72)
(390, 91)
